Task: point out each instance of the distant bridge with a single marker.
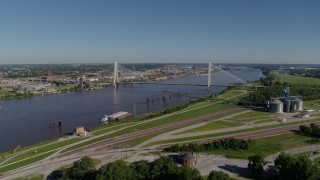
(188, 84)
(116, 80)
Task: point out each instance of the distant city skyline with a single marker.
(163, 31)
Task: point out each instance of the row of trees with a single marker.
(312, 131)
(296, 168)
(306, 72)
(288, 167)
(161, 168)
(228, 143)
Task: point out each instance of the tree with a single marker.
(187, 173)
(163, 168)
(256, 163)
(115, 170)
(218, 175)
(141, 169)
(284, 163)
(296, 168)
(80, 168)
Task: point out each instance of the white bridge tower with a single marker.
(115, 75)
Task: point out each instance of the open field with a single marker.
(296, 79)
(267, 146)
(315, 105)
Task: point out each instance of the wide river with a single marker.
(26, 121)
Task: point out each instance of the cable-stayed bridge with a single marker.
(119, 72)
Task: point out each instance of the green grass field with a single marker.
(25, 148)
(296, 79)
(312, 105)
(253, 114)
(24, 162)
(31, 177)
(43, 149)
(212, 126)
(267, 146)
(209, 136)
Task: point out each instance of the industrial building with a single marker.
(281, 105)
(286, 103)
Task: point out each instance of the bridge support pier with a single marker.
(209, 77)
(115, 75)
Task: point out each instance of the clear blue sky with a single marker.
(102, 31)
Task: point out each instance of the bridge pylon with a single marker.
(209, 76)
(115, 75)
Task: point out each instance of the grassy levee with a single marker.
(266, 146)
(208, 136)
(26, 148)
(42, 149)
(24, 162)
(177, 117)
(212, 126)
(110, 127)
(166, 120)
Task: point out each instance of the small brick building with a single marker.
(188, 159)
